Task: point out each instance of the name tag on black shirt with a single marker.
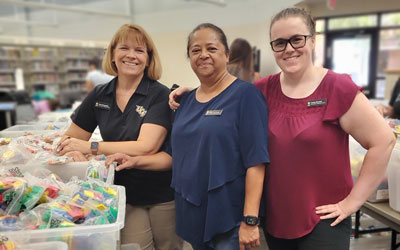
(103, 106)
(214, 112)
(316, 103)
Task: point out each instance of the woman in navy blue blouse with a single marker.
(219, 151)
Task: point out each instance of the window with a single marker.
(390, 19)
(320, 25)
(389, 50)
(319, 54)
(352, 22)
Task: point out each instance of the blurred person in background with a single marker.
(392, 110)
(241, 62)
(95, 76)
(134, 118)
(44, 101)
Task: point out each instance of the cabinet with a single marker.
(54, 68)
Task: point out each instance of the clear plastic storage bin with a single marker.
(67, 170)
(51, 245)
(97, 237)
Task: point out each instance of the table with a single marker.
(385, 214)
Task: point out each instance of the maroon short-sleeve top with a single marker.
(309, 153)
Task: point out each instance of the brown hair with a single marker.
(295, 12)
(241, 54)
(216, 29)
(153, 70)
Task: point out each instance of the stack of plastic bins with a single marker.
(96, 237)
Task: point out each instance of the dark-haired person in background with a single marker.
(392, 110)
(241, 60)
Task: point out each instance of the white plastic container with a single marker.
(38, 126)
(100, 237)
(55, 116)
(394, 178)
(34, 128)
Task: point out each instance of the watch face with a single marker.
(251, 220)
(94, 145)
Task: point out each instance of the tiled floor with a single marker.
(372, 242)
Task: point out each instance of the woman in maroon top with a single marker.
(309, 189)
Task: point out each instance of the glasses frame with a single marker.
(288, 41)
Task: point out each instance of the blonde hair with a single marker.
(153, 70)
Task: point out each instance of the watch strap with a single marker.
(251, 220)
(94, 147)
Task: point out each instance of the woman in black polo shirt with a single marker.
(134, 118)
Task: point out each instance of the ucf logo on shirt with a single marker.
(141, 110)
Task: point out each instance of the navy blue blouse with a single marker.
(213, 144)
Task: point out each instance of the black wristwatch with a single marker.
(94, 147)
(251, 220)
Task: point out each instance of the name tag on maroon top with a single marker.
(316, 103)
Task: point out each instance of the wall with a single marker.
(250, 22)
(176, 65)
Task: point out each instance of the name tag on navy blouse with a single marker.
(316, 103)
(103, 106)
(214, 112)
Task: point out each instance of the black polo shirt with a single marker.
(149, 104)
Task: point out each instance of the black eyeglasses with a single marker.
(297, 42)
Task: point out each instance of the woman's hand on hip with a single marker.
(124, 161)
(249, 236)
(340, 210)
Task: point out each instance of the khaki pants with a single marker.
(152, 227)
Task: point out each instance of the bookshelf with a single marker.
(55, 68)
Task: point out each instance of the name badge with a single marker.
(316, 103)
(103, 106)
(214, 112)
